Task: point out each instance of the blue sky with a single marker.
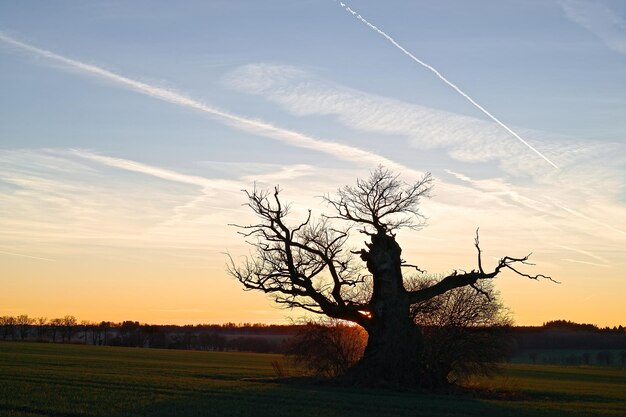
(132, 184)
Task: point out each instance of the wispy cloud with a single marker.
(466, 139)
(508, 191)
(258, 127)
(582, 252)
(54, 199)
(97, 198)
(21, 255)
(157, 172)
(590, 179)
(585, 262)
(598, 19)
(588, 218)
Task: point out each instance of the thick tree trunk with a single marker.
(392, 356)
(394, 348)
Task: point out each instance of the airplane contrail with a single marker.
(444, 79)
(583, 216)
(340, 151)
(585, 262)
(21, 255)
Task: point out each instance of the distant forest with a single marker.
(589, 343)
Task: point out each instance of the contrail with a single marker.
(583, 252)
(156, 172)
(345, 152)
(582, 216)
(444, 79)
(585, 262)
(26, 256)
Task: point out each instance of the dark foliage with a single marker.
(466, 332)
(327, 348)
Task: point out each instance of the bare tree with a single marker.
(23, 323)
(85, 326)
(41, 327)
(69, 323)
(8, 327)
(308, 265)
(104, 326)
(55, 325)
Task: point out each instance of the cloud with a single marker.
(529, 198)
(582, 252)
(72, 196)
(65, 201)
(598, 19)
(588, 218)
(21, 255)
(466, 139)
(585, 262)
(507, 191)
(161, 173)
(589, 170)
(55, 199)
(258, 127)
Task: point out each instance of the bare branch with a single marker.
(481, 291)
(383, 202)
(405, 265)
(456, 279)
(303, 266)
(476, 243)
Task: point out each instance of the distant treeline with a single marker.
(255, 337)
(561, 334)
(249, 337)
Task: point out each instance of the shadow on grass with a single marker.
(27, 410)
(310, 397)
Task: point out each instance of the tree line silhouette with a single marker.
(258, 337)
(250, 337)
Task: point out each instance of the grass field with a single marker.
(73, 380)
(569, 357)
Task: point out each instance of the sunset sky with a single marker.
(128, 129)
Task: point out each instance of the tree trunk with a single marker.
(394, 348)
(392, 356)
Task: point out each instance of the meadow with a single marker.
(40, 379)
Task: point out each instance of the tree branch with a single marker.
(293, 263)
(456, 280)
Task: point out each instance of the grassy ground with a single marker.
(569, 357)
(70, 380)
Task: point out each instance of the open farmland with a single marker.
(74, 380)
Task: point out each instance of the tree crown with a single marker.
(309, 266)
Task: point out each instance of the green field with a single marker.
(73, 380)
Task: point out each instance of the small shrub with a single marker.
(278, 368)
(328, 348)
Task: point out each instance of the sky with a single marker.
(129, 129)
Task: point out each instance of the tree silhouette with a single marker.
(41, 327)
(309, 265)
(55, 325)
(69, 324)
(327, 347)
(8, 327)
(23, 323)
(466, 332)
